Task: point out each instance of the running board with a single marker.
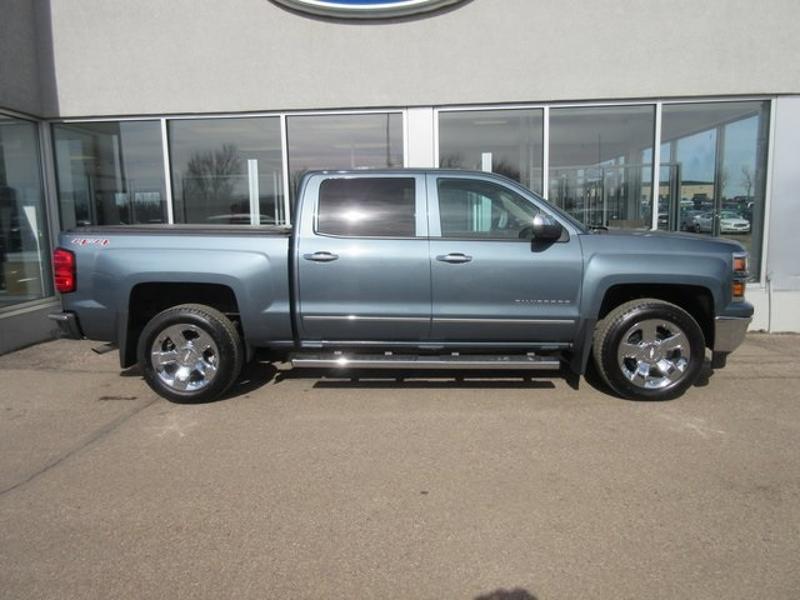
(526, 362)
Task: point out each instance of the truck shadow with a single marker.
(255, 375)
(501, 594)
(595, 381)
(433, 380)
(259, 373)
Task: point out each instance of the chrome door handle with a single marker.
(454, 258)
(321, 256)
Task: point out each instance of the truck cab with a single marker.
(434, 259)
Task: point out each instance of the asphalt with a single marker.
(299, 486)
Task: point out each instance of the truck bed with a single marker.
(118, 265)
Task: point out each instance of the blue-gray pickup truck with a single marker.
(406, 269)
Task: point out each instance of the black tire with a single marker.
(229, 354)
(608, 337)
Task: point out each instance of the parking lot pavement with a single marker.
(306, 487)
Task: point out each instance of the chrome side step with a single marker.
(526, 362)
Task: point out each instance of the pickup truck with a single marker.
(406, 269)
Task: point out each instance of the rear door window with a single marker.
(367, 207)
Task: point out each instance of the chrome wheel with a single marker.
(185, 357)
(654, 354)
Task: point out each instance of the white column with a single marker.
(486, 162)
(167, 174)
(252, 180)
(656, 174)
(783, 267)
(420, 133)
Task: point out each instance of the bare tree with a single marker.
(724, 177)
(503, 167)
(451, 161)
(209, 179)
(747, 180)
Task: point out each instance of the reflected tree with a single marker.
(295, 178)
(746, 181)
(210, 176)
(503, 167)
(724, 178)
(451, 161)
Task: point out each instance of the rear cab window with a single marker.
(367, 207)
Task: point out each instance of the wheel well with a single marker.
(695, 300)
(149, 299)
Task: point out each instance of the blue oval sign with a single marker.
(366, 9)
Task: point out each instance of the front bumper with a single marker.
(67, 324)
(729, 332)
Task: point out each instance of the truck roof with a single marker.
(407, 171)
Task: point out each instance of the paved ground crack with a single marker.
(93, 438)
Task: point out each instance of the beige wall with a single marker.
(19, 66)
(151, 56)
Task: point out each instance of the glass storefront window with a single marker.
(713, 171)
(343, 142)
(110, 173)
(227, 171)
(600, 170)
(507, 142)
(24, 247)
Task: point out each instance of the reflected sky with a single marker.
(344, 142)
(694, 128)
(512, 137)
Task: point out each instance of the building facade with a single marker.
(679, 115)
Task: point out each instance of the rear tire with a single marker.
(649, 349)
(190, 353)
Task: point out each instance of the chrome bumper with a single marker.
(729, 332)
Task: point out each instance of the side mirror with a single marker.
(545, 228)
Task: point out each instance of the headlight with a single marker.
(740, 264)
(740, 273)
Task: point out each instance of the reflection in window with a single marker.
(110, 173)
(343, 142)
(368, 207)
(24, 248)
(473, 209)
(507, 142)
(601, 165)
(713, 171)
(227, 171)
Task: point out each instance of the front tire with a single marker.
(190, 353)
(649, 349)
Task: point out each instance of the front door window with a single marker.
(480, 210)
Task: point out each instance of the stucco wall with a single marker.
(19, 66)
(150, 56)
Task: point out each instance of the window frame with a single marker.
(51, 221)
(64, 125)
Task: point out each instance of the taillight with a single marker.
(64, 270)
